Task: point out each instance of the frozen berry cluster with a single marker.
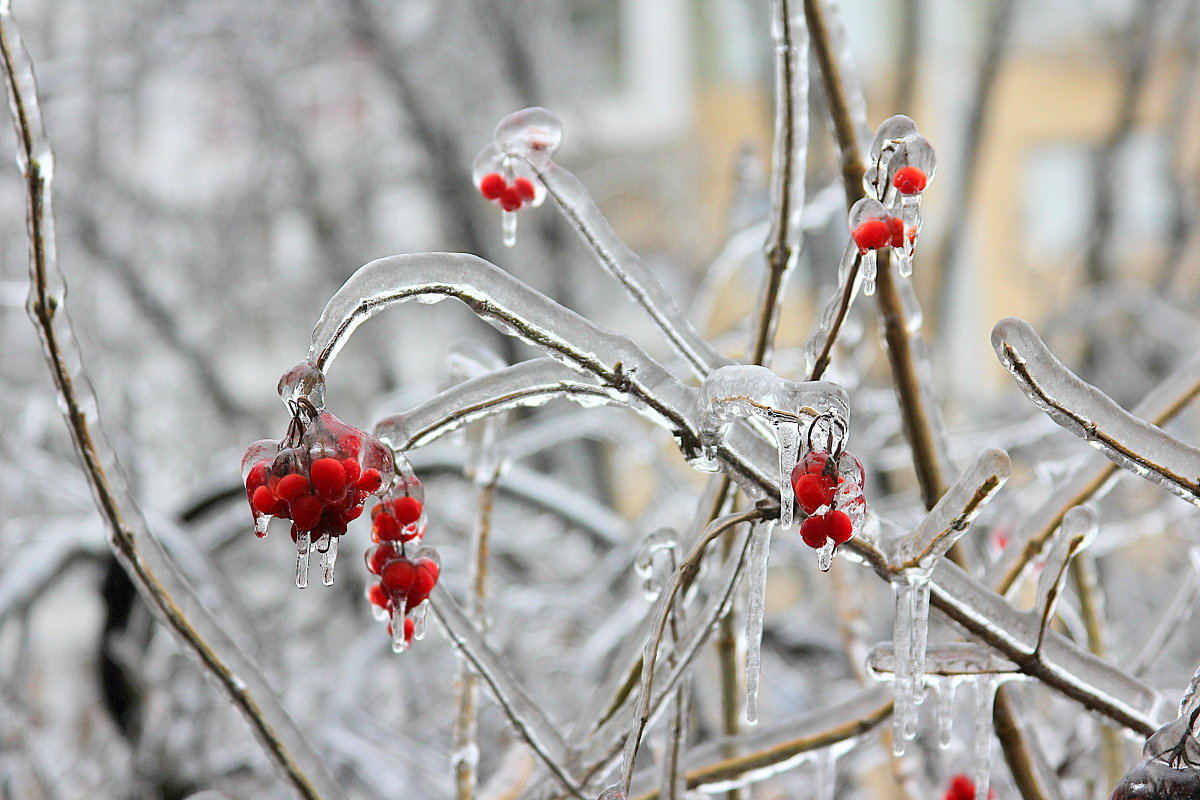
(407, 570)
(829, 489)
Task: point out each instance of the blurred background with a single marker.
(224, 166)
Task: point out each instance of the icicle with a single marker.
(399, 641)
(826, 765)
(787, 439)
(910, 213)
(825, 555)
(985, 696)
(946, 689)
(329, 559)
(868, 270)
(302, 550)
(418, 616)
(261, 521)
(760, 551)
(508, 227)
(903, 684)
(920, 632)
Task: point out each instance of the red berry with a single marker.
(510, 199)
(814, 462)
(329, 478)
(369, 481)
(397, 576)
(814, 491)
(427, 576)
(896, 226)
(871, 235)
(407, 510)
(353, 470)
(350, 444)
(524, 188)
(379, 555)
(377, 595)
(963, 788)
(812, 531)
(257, 476)
(839, 526)
(292, 487)
(263, 500)
(492, 185)
(386, 527)
(352, 513)
(306, 512)
(910, 180)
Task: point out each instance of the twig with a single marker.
(138, 551)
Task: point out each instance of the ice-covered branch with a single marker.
(1129, 441)
(624, 265)
(140, 554)
(1077, 531)
(526, 718)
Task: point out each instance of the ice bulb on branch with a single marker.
(505, 172)
(870, 231)
(918, 164)
(827, 485)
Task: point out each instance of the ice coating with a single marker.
(789, 30)
(760, 551)
(856, 100)
(525, 717)
(985, 698)
(623, 264)
(917, 153)
(836, 307)
(1129, 441)
(869, 231)
(655, 560)
(750, 391)
(305, 381)
(532, 133)
(890, 133)
(1077, 532)
(486, 458)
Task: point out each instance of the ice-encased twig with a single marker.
(624, 265)
(856, 100)
(750, 391)
(819, 347)
(775, 748)
(683, 576)
(529, 722)
(140, 554)
(1077, 531)
(789, 31)
(1160, 405)
(1129, 441)
(516, 309)
(952, 515)
(760, 552)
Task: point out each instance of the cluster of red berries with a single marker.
(397, 526)
(876, 233)
(510, 196)
(963, 788)
(318, 478)
(829, 490)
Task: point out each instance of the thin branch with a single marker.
(138, 551)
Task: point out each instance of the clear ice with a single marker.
(760, 551)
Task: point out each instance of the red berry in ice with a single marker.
(871, 235)
(896, 227)
(291, 487)
(492, 185)
(378, 556)
(409, 627)
(814, 491)
(386, 527)
(812, 531)
(910, 180)
(306, 512)
(398, 575)
(510, 199)
(377, 595)
(524, 188)
(839, 526)
(963, 788)
(263, 500)
(353, 470)
(369, 481)
(427, 576)
(352, 513)
(350, 444)
(407, 510)
(329, 478)
(257, 476)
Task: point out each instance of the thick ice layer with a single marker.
(1085, 411)
(789, 30)
(1077, 532)
(748, 391)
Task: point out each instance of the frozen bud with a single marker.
(531, 133)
